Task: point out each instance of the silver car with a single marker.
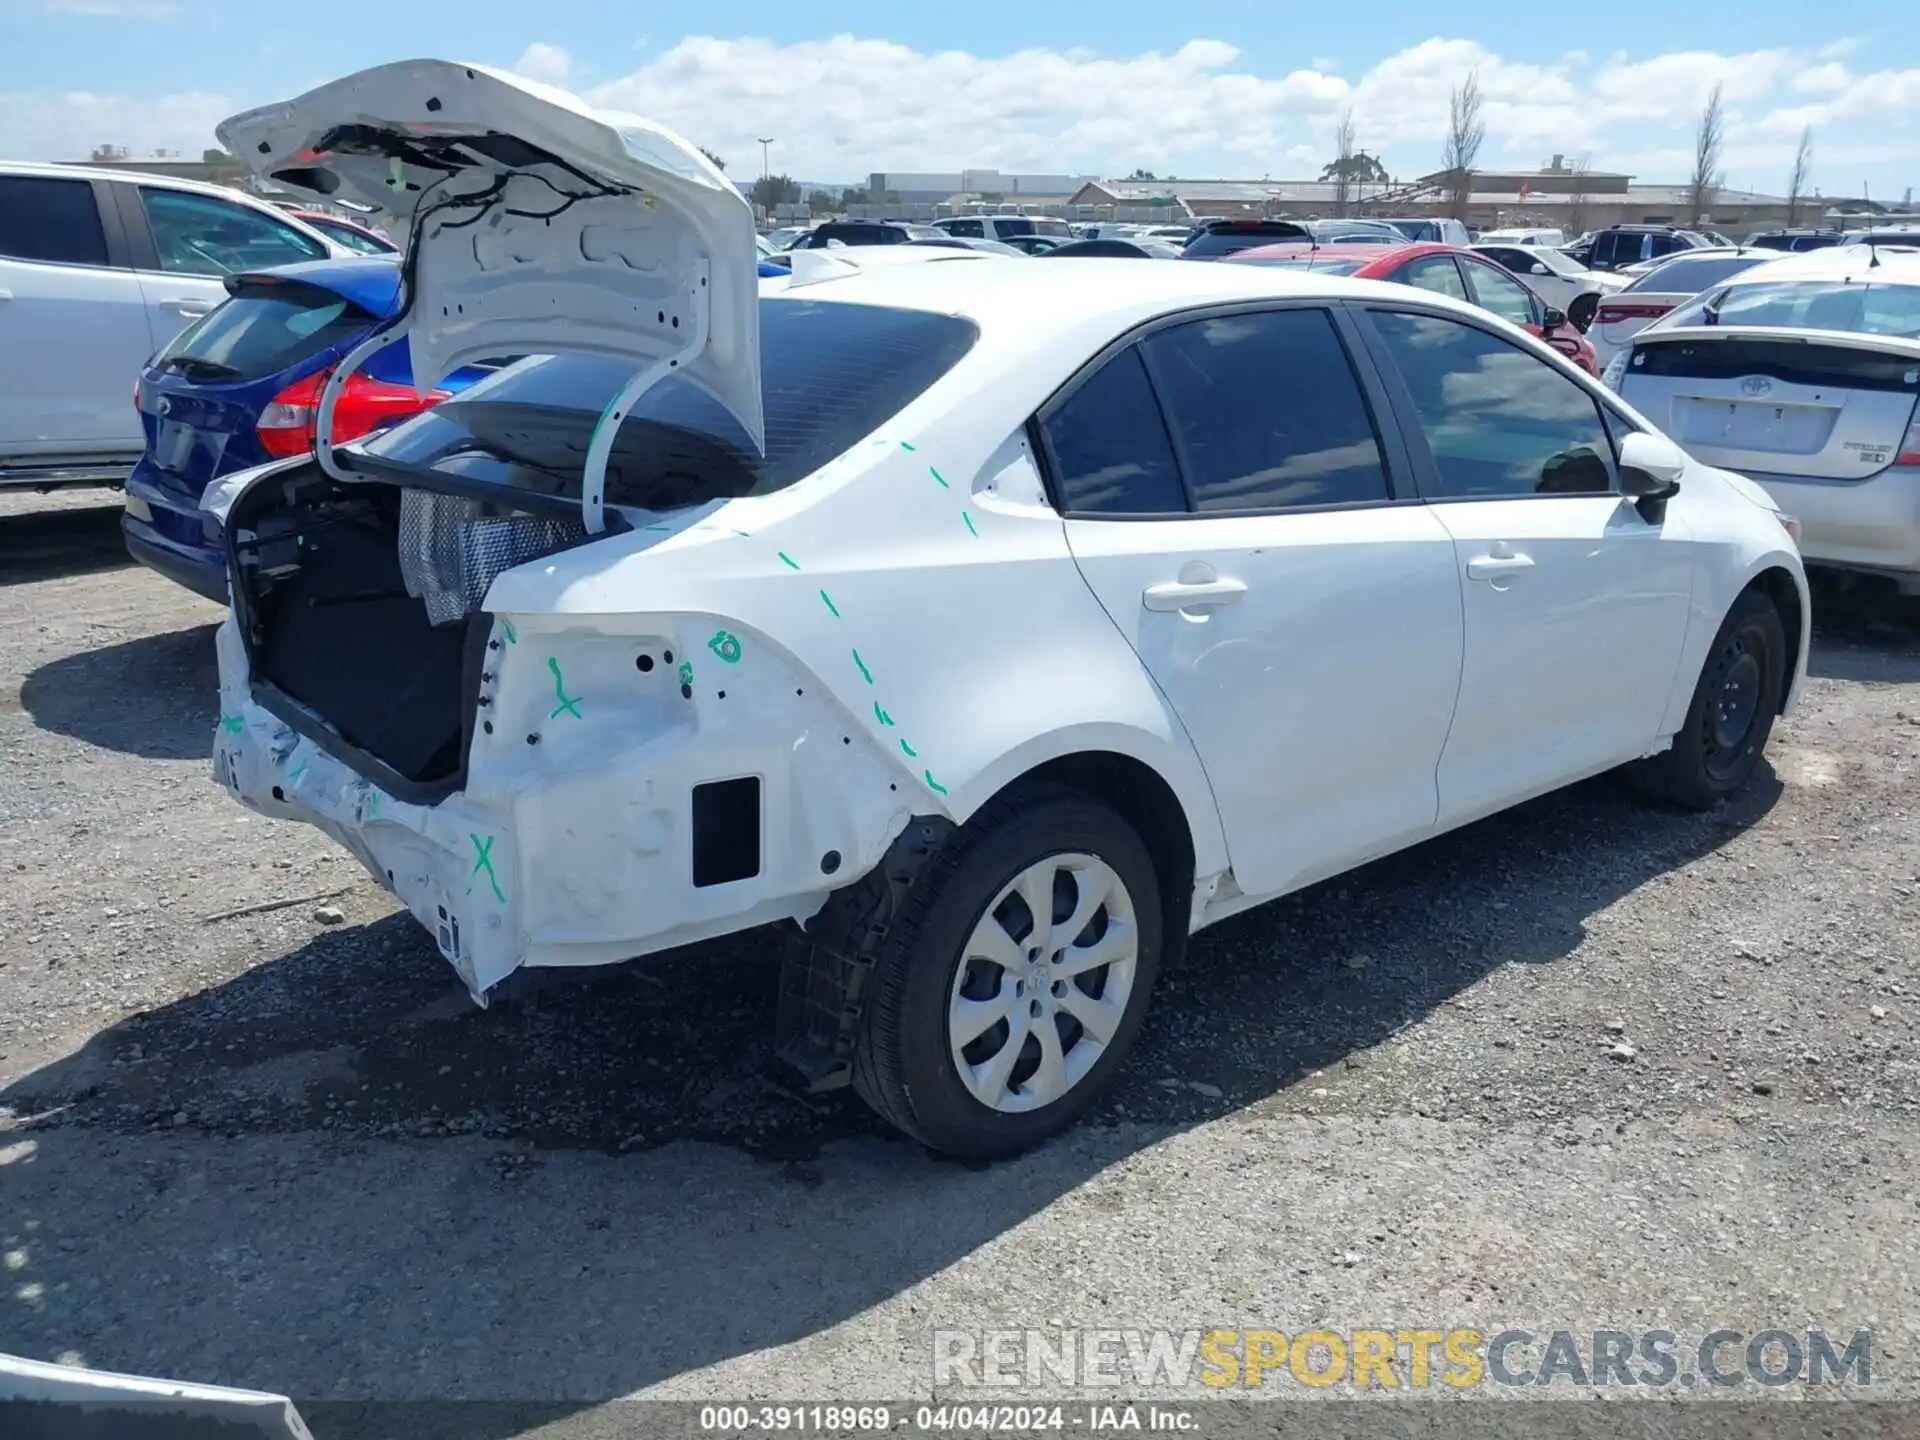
(1803, 374)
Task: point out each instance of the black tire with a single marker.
(903, 1064)
(1734, 706)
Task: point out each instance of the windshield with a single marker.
(1689, 276)
(830, 374)
(1862, 309)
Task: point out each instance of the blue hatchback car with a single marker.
(241, 386)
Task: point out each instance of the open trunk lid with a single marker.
(1831, 405)
(535, 225)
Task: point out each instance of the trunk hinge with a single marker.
(593, 478)
(380, 338)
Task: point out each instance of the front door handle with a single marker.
(187, 307)
(1192, 594)
(1497, 567)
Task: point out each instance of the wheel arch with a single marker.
(1789, 597)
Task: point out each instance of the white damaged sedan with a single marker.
(999, 624)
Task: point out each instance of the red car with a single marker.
(1447, 269)
(355, 237)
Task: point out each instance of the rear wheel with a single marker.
(1734, 704)
(1006, 996)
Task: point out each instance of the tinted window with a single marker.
(1266, 412)
(1498, 420)
(1688, 276)
(973, 228)
(831, 373)
(1501, 294)
(1211, 244)
(1109, 448)
(1004, 228)
(199, 235)
(262, 331)
(47, 219)
(858, 235)
(1432, 272)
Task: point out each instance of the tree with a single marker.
(854, 195)
(1577, 195)
(718, 163)
(1709, 138)
(1359, 167)
(1466, 132)
(819, 202)
(771, 190)
(1802, 172)
(1342, 166)
(1143, 175)
(215, 157)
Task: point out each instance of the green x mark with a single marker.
(881, 715)
(566, 706)
(483, 860)
(232, 724)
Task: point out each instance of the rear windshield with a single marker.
(1869, 309)
(1687, 276)
(831, 374)
(1416, 229)
(261, 331)
(1306, 262)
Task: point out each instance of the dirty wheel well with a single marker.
(1777, 585)
(1149, 805)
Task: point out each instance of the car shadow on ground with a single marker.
(794, 1216)
(1866, 635)
(157, 696)
(61, 540)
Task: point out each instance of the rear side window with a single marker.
(1109, 448)
(48, 219)
(262, 331)
(973, 229)
(830, 374)
(1498, 420)
(1266, 412)
(1211, 244)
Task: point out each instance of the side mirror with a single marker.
(1581, 311)
(1553, 319)
(1650, 471)
(1539, 269)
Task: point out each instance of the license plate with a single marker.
(1746, 425)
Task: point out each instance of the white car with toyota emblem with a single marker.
(999, 624)
(1803, 374)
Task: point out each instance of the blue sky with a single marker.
(1204, 87)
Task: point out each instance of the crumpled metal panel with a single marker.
(451, 548)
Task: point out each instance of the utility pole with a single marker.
(765, 141)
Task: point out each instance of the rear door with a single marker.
(1243, 517)
(1575, 605)
(185, 244)
(73, 324)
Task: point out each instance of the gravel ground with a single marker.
(1583, 1065)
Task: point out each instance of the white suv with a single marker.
(1006, 227)
(991, 622)
(98, 269)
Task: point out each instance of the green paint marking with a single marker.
(483, 860)
(686, 672)
(726, 645)
(933, 784)
(865, 673)
(905, 446)
(912, 754)
(827, 600)
(372, 807)
(787, 560)
(232, 724)
(969, 519)
(881, 715)
(939, 477)
(293, 777)
(566, 706)
(506, 629)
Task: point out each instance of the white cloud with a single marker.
(546, 63)
(844, 105)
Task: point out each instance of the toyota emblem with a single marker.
(1755, 385)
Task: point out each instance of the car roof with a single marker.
(1336, 250)
(129, 174)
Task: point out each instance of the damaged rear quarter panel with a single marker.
(923, 583)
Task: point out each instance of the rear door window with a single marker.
(1437, 273)
(1500, 294)
(831, 373)
(50, 219)
(972, 229)
(1266, 412)
(200, 235)
(261, 331)
(1108, 447)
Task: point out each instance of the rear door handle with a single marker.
(1192, 594)
(1497, 567)
(187, 307)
